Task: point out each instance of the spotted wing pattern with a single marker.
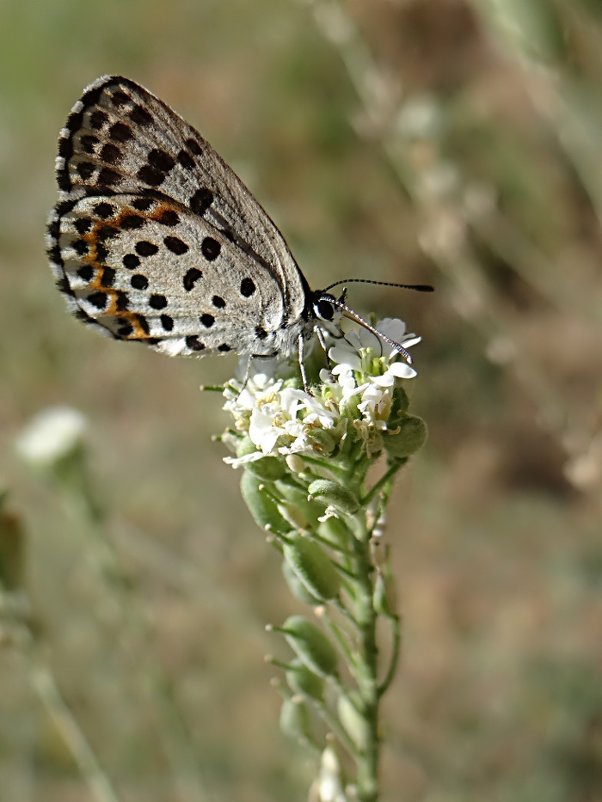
(155, 239)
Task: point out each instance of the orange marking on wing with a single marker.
(111, 311)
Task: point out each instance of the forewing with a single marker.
(122, 145)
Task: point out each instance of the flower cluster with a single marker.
(307, 458)
(357, 400)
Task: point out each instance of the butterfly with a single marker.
(155, 239)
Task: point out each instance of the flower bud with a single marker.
(244, 446)
(311, 645)
(263, 508)
(313, 567)
(335, 495)
(304, 682)
(409, 436)
(295, 463)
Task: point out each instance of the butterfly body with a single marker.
(155, 239)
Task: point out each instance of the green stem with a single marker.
(366, 674)
(171, 725)
(44, 685)
(377, 486)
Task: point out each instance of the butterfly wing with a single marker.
(154, 238)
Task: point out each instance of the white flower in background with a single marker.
(51, 435)
(281, 420)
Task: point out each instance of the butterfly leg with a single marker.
(247, 372)
(321, 339)
(250, 359)
(301, 357)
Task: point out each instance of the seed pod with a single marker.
(335, 531)
(334, 494)
(410, 435)
(296, 587)
(267, 468)
(304, 682)
(295, 721)
(311, 646)
(263, 508)
(297, 497)
(312, 566)
(354, 724)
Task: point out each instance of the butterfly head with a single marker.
(328, 312)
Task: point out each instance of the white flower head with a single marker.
(51, 435)
(281, 419)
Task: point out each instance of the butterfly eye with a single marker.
(324, 309)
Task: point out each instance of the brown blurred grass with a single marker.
(469, 159)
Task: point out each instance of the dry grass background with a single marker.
(451, 141)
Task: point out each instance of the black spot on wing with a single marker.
(194, 343)
(139, 282)
(150, 175)
(191, 277)
(131, 261)
(120, 132)
(157, 301)
(175, 245)
(201, 201)
(247, 287)
(210, 248)
(144, 248)
(161, 160)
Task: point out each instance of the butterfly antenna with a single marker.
(417, 287)
(351, 314)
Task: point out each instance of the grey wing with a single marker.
(121, 139)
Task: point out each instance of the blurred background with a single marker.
(455, 142)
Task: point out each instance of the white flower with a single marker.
(280, 419)
(51, 435)
(346, 351)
